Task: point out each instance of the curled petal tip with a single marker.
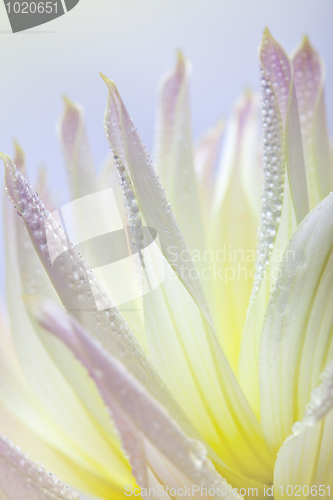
(7, 160)
(110, 83)
(9, 166)
(111, 86)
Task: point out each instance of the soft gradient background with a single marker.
(134, 43)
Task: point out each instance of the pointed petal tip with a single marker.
(305, 40)
(181, 59)
(267, 38)
(183, 66)
(10, 174)
(267, 35)
(68, 102)
(17, 146)
(8, 162)
(112, 87)
(110, 83)
(306, 46)
(19, 158)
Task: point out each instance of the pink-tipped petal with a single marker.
(52, 408)
(309, 74)
(277, 76)
(20, 478)
(106, 323)
(206, 155)
(74, 142)
(174, 157)
(284, 200)
(145, 427)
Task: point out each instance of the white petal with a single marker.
(297, 332)
(305, 460)
(278, 220)
(195, 369)
(93, 443)
(144, 425)
(107, 323)
(154, 207)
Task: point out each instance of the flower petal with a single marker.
(76, 151)
(154, 207)
(179, 341)
(132, 311)
(309, 81)
(93, 443)
(106, 322)
(205, 158)
(278, 220)
(174, 159)
(24, 418)
(21, 478)
(19, 158)
(144, 425)
(233, 225)
(131, 155)
(296, 339)
(278, 77)
(305, 460)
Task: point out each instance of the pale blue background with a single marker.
(134, 42)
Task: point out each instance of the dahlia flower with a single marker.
(216, 367)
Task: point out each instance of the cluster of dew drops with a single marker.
(31, 207)
(321, 399)
(133, 214)
(36, 216)
(273, 167)
(35, 475)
